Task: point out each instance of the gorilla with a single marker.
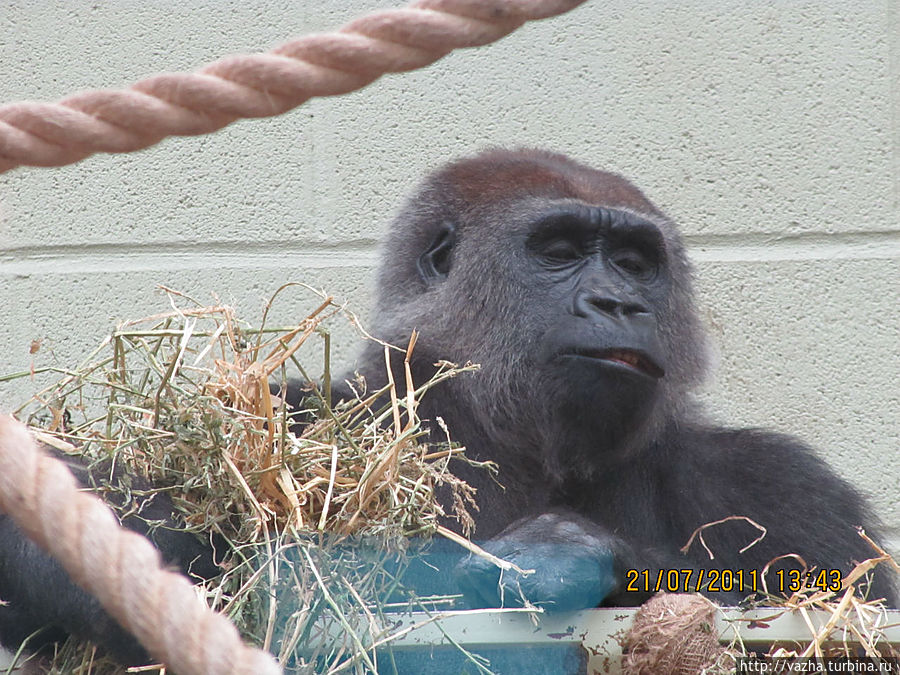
(574, 294)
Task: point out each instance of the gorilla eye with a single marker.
(634, 263)
(561, 250)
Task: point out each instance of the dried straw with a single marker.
(315, 527)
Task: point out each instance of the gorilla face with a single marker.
(582, 287)
(566, 284)
(602, 273)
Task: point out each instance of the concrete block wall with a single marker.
(769, 130)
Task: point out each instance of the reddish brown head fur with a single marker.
(499, 175)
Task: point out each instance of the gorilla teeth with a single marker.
(632, 360)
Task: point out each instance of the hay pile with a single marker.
(674, 634)
(856, 624)
(183, 398)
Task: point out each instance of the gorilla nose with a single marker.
(606, 302)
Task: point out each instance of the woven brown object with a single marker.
(674, 634)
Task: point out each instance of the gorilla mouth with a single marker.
(634, 360)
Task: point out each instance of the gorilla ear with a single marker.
(434, 264)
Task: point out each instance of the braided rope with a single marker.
(256, 85)
(120, 568)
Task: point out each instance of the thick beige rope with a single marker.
(256, 85)
(121, 568)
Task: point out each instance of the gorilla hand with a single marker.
(572, 561)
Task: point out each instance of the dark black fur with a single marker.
(535, 267)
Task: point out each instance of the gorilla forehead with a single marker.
(500, 176)
(482, 192)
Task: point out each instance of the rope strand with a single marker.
(256, 85)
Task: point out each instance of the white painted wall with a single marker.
(770, 130)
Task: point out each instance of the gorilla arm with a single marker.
(43, 604)
(570, 563)
(704, 475)
(41, 601)
(783, 485)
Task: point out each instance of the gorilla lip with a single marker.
(634, 360)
